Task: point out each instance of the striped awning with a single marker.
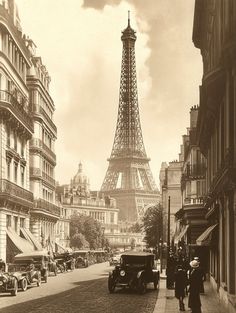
(205, 238)
(21, 244)
(30, 237)
(181, 234)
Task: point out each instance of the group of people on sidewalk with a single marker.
(187, 278)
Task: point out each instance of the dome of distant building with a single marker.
(80, 181)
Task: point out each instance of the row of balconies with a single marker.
(38, 109)
(20, 196)
(37, 143)
(37, 173)
(9, 102)
(194, 171)
(47, 206)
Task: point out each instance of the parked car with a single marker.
(25, 273)
(8, 281)
(100, 256)
(82, 258)
(135, 271)
(114, 260)
(65, 261)
(40, 260)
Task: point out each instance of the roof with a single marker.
(137, 253)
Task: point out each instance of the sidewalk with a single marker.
(167, 303)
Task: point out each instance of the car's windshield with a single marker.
(135, 260)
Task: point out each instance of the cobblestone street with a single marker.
(82, 295)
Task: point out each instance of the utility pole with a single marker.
(168, 227)
(168, 283)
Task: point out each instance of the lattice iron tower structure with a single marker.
(128, 178)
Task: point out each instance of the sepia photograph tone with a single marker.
(117, 156)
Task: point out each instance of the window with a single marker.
(112, 218)
(22, 222)
(22, 148)
(9, 169)
(15, 172)
(8, 136)
(16, 223)
(8, 220)
(15, 141)
(22, 173)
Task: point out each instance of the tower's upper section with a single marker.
(128, 140)
(128, 34)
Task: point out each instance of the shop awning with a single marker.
(205, 238)
(181, 234)
(21, 244)
(30, 237)
(60, 248)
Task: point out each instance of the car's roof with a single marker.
(31, 254)
(136, 253)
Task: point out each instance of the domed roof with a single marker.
(80, 177)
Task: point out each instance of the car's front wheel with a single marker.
(24, 284)
(39, 280)
(46, 277)
(111, 285)
(142, 286)
(15, 287)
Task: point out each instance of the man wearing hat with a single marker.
(195, 281)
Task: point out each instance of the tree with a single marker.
(152, 225)
(135, 228)
(78, 241)
(132, 243)
(88, 227)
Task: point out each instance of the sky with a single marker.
(79, 42)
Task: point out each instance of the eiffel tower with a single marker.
(128, 178)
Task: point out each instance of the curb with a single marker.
(160, 305)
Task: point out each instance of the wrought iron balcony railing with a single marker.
(13, 191)
(38, 143)
(49, 179)
(39, 110)
(41, 204)
(36, 172)
(9, 102)
(194, 171)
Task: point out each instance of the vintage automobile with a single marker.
(8, 281)
(82, 258)
(25, 274)
(65, 261)
(114, 260)
(40, 260)
(135, 271)
(100, 256)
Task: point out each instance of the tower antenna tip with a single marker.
(128, 18)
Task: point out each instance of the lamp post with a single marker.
(168, 274)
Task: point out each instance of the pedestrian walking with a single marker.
(202, 272)
(195, 281)
(180, 285)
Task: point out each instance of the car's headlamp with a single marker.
(1, 283)
(122, 273)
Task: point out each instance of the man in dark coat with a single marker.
(195, 282)
(180, 285)
(200, 269)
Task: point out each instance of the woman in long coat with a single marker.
(195, 282)
(180, 285)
